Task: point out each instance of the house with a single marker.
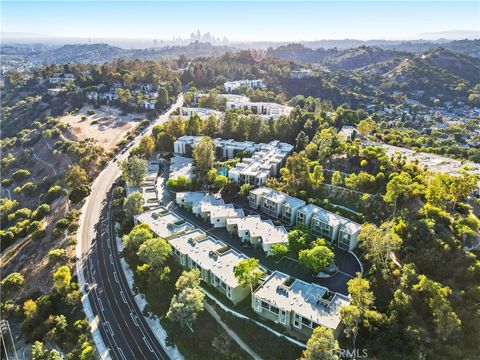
(215, 261)
(298, 306)
(55, 92)
(224, 149)
(262, 234)
(325, 224)
(305, 214)
(190, 199)
(148, 104)
(264, 163)
(348, 133)
(163, 223)
(253, 84)
(265, 110)
(275, 204)
(348, 235)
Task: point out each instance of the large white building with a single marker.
(163, 223)
(264, 163)
(202, 112)
(297, 305)
(265, 110)
(62, 79)
(233, 85)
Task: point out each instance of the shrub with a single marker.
(7, 182)
(39, 234)
(53, 193)
(56, 254)
(29, 187)
(20, 174)
(91, 112)
(279, 250)
(180, 184)
(34, 226)
(79, 193)
(41, 211)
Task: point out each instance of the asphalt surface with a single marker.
(119, 321)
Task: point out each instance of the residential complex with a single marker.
(61, 79)
(253, 84)
(202, 112)
(297, 305)
(224, 149)
(264, 163)
(163, 223)
(265, 110)
(148, 188)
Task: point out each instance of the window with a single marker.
(296, 321)
(265, 305)
(306, 322)
(274, 309)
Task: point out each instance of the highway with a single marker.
(120, 323)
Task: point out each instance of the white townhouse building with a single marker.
(264, 163)
(348, 235)
(202, 112)
(297, 305)
(275, 203)
(253, 84)
(163, 223)
(215, 261)
(258, 232)
(305, 214)
(216, 211)
(301, 74)
(62, 79)
(265, 110)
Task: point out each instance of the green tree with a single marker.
(248, 273)
(12, 281)
(139, 234)
(145, 148)
(462, 186)
(295, 174)
(398, 186)
(279, 250)
(30, 308)
(134, 170)
(204, 155)
(162, 99)
(245, 190)
(220, 182)
(316, 259)
(188, 303)
(298, 240)
(61, 279)
(337, 179)
(211, 126)
(366, 126)
(378, 243)
(133, 205)
(154, 252)
(193, 126)
(321, 345)
(316, 177)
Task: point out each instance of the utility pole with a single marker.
(7, 340)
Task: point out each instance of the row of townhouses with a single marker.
(147, 103)
(287, 301)
(201, 112)
(340, 231)
(234, 85)
(224, 149)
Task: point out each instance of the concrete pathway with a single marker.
(230, 332)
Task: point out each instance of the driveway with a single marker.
(347, 263)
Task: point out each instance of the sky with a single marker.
(240, 20)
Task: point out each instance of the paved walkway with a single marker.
(232, 334)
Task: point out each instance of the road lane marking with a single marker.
(123, 296)
(100, 303)
(115, 276)
(148, 344)
(111, 259)
(121, 353)
(134, 320)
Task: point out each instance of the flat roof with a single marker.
(164, 223)
(327, 217)
(313, 302)
(278, 196)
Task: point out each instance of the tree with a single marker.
(124, 96)
(317, 258)
(298, 240)
(204, 155)
(248, 273)
(337, 179)
(316, 177)
(366, 126)
(301, 141)
(220, 182)
(146, 147)
(398, 186)
(211, 126)
(12, 281)
(134, 170)
(279, 250)
(162, 99)
(139, 234)
(133, 205)
(61, 279)
(462, 186)
(76, 176)
(154, 252)
(39, 352)
(321, 345)
(193, 126)
(188, 303)
(378, 243)
(245, 190)
(360, 311)
(295, 174)
(30, 308)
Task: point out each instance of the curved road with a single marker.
(120, 323)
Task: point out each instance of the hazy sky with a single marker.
(241, 20)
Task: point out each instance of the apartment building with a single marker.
(202, 112)
(215, 261)
(275, 204)
(62, 79)
(265, 110)
(163, 223)
(224, 149)
(301, 74)
(260, 233)
(253, 84)
(348, 235)
(264, 163)
(305, 214)
(216, 211)
(297, 305)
